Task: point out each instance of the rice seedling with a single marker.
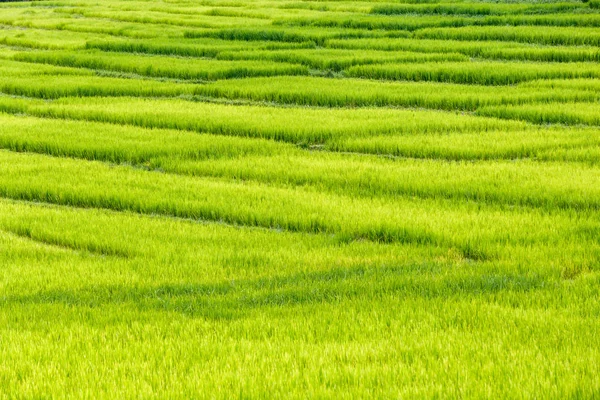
(295, 125)
(162, 66)
(479, 73)
(57, 86)
(485, 49)
(393, 26)
(336, 60)
(226, 301)
(551, 145)
(565, 84)
(122, 144)
(566, 113)
(152, 17)
(325, 199)
(278, 164)
(209, 48)
(566, 36)
(296, 34)
(405, 220)
(318, 91)
(46, 39)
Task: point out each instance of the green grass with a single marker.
(162, 66)
(566, 36)
(295, 125)
(281, 34)
(301, 199)
(557, 144)
(209, 48)
(483, 49)
(478, 73)
(337, 60)
(317, 91)
(568, 113)
(228, 294)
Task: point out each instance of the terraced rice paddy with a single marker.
(299, 199)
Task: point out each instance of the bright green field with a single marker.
(300, 199)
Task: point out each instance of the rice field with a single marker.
(300, 199)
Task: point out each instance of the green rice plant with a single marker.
(546, 54)
(123, 144)
(147, 17)
(246, 289)
(532, 184)
(295, 125)
(337, 6)
(250, 253)
(431, 232)
(45, 39)
(543, 144)
(335, 59)
(190, 48)
(317, 91)
(559, 19)
(525, 183)
(162, 66)
(298, 35)
(495, 50)
(480, 72)
(398, 27)
(56, 87)
(564, 85)
(477, 231)
(471, 48)
(475, 9)
(90, 25)
(566, 113)
(527, 34)
(12, 68)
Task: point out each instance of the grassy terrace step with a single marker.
(295, 125)
(485, 49)
(568, 113)
(12, 68)
(542, 35)
(397, 26)
(124, 144)
(57, 86)
(559, 144)
(226, 299)
(162, 66)
(335, 59)
(198, 20)
(46, 39)
(188, 48)
(474, 8)
(67, 24)
(129, 144)
(478, 73)
(56, 233)
(533, 184)
(333, 199)
(414, 23)
(317, 91)
(477, 231)
(282, 34)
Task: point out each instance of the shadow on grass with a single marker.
(235, 299)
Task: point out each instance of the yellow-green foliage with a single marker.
(479, 73)
(299, 199)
